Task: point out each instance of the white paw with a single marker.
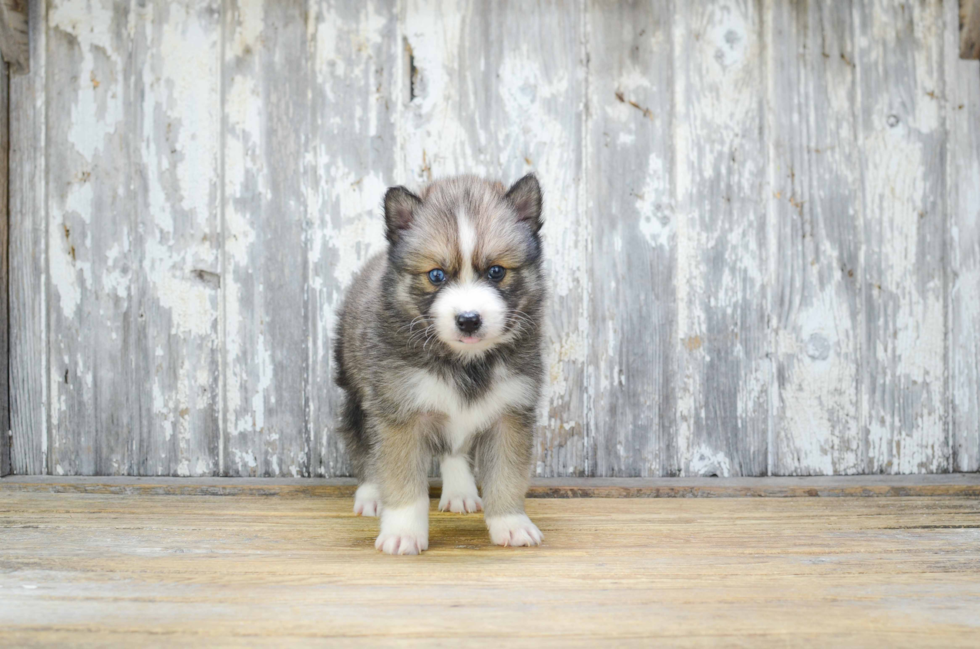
(459, 492)
(460, 503)
(401, 543)
(367, 500)
(514, 530)
(404, 530)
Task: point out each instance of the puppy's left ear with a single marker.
(400, 206)
(525, 196)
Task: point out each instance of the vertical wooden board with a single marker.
(721, 187)
(4, 272)
(815, 208)
(14, 37)
(968, 21)
(28, 264)
(265, 166)
(899, 59)
(499, 90)
(355, 59)
(630, 202)
(963, 246)
(176, 286)
(92, 315)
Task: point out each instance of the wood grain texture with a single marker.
(357, 81)
(969, 27)
(87, 569)
(721, 187)
(498, 89)
(14, 35)
(963, 252)
(957, 485)
(4, 271)
(28, 259)
(815, 215)
(901, 135)
(760, 225)
(177, 282)
(93, 310)
(266, 164)
(630, 201)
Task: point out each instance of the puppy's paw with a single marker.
(367, 500)
(460, 503)
(404, 530)
(514, 530)
(401, 543)
(459, 494)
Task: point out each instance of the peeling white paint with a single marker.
(248, 31)
(189, 66)
(909, 342)
(245, 460)
(652, 204)
(91, 24)
(361, 231)
(190, 304)
(702, 207)
(707, 462)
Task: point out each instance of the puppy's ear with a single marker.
(399, 211)
(525, 196)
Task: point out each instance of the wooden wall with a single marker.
(762, 225)
(4, 274)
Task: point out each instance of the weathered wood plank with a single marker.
(625, 573)
(4, 271)
(630, 190)
(355, 93)
(963, 249)
(969, 23)
(720, 193)
(14, 30)
(176, 285)
(266, 162)
(814, 210)
(175, 211)
(899, 59)
(28, 262)
(499, 90)
(93, 310)
(959, 485)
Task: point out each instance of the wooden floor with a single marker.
(105, 567)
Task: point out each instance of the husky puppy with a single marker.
(439, 353)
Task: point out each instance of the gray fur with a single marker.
(385, 337)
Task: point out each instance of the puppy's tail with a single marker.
(352, 428)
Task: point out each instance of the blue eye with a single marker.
(496, 273)
(437, 276)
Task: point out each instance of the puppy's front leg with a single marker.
(402, 461)
(459, 492)
(505, 468)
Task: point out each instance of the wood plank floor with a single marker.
(97, 569)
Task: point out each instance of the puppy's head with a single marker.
(466, 256)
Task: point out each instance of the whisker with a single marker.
(418, 336)
(411, 325)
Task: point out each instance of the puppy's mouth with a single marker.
(467, 342)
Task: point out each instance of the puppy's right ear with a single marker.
(525, 196)
(400, 205)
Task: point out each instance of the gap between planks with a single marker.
(961, 485)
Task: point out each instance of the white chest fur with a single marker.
(428, 392)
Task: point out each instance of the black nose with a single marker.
(468, 322)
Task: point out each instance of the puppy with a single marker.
(438, 352)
